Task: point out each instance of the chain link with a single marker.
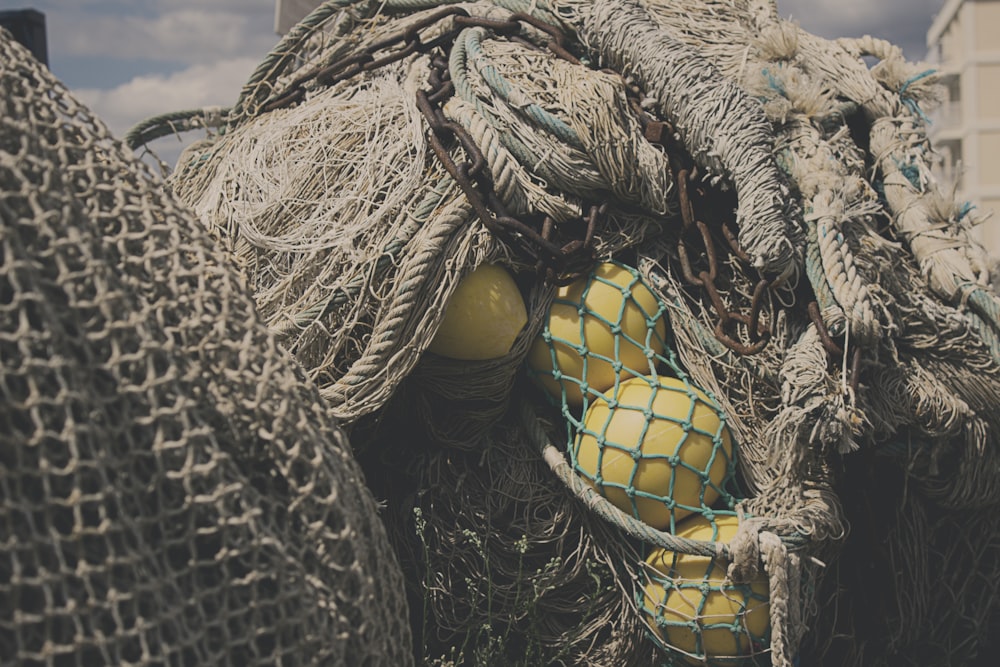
(696, 242)
(833, 350)
(366, 61)
(561, 251)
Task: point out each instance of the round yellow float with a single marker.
(594, 323)
(692, 607)
(483, 317)
(658, 437)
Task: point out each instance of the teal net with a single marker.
(648, 440)
(699, 614)
(599, 329)
(658, 449)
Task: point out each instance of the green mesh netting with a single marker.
(698, 612)
(656, 447)
(643, 435)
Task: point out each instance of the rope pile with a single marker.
(776, 197)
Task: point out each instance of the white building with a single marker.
(964, 41)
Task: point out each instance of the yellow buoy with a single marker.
(659, 438)
(693, 608)
(483, 317)
(594, 323)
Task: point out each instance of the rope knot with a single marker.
(745, 552)
(757, 552)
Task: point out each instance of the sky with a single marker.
(132, 59)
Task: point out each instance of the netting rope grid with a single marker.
(836, 206)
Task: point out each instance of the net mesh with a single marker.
(171, 489)
(642, 434)
(697, 611)
(778, 201)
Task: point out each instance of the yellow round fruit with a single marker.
(695, 602)
(483, 317)
(588, 315)
(657, 437)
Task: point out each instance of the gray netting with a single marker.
(817, 283)
(171, 489)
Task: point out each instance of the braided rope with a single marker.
(752, 547)
(783, 573)
(511, 94)
(174, 123)
(725, 131)
(513, 183)
(832, 313)
(388, 258)
(365, 381)
(261, 82)
(580, 151)
(984, 312)
(846, 284)
(868, 45)
(987, 332)
(459, 67)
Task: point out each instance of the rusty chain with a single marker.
(562, 251)
(833, 350)
(757, 332)
(696, 242)
(559, 262)
(366, 60)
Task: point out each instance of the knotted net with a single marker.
(775, 194)
(171, 489)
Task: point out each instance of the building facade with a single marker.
(964, 42)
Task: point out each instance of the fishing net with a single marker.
(823, 309)
(647, 439)
(171, 490)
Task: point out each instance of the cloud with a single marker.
(215, 84)
(186, 36)
(902, 22)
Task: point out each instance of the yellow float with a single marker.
(661, 438)
(600, 329)
(692, 607)
(483, 317)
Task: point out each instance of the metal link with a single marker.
(365, 60)
(834, 351)
(559, 258)
(735, 246)
(829, 344)
(559, 262)
(762, 335)
(758, 334)
(756, 303)
(565, 260)
(558, 42)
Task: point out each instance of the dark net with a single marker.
(171, 490)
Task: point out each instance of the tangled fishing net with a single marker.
(171, 490)
(795, 320)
